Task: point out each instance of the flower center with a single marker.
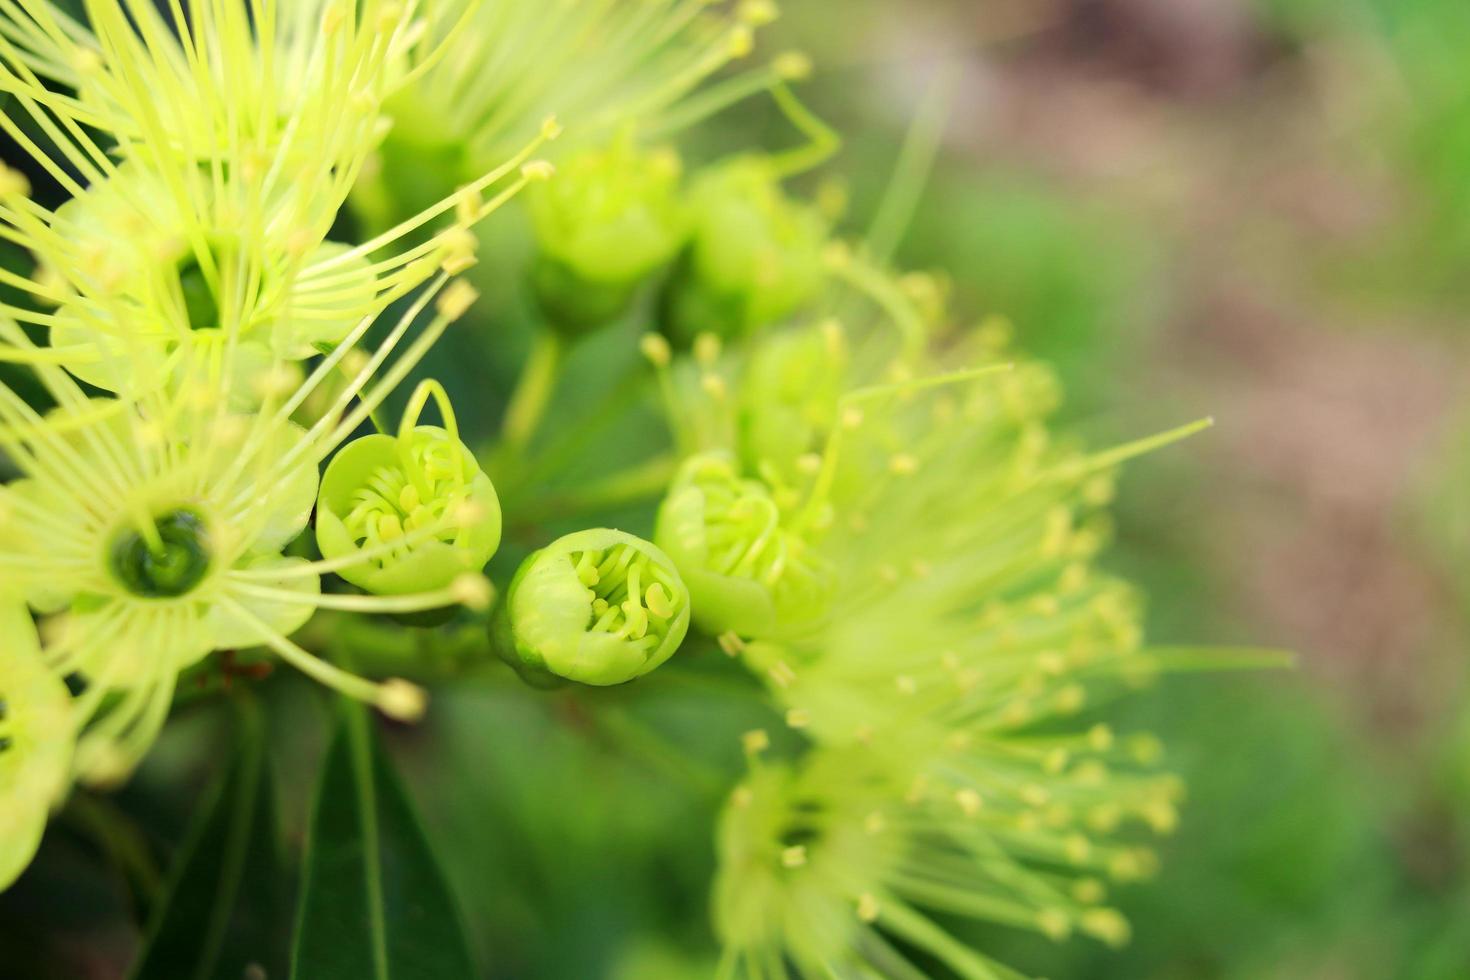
(397, 500)
(633, 598)
(200, 306)
(170, 565)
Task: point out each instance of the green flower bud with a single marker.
(754, 256)
(749, 559)
(608, 221)
(414, 509)
(597, 607)
(788, 396)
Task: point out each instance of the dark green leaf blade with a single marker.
(223, 911)
(375, 904)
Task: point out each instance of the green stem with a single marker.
(644, 481)
(533, 391)
(915, 161)
(566, 447)
(118, 838)
(655, 749)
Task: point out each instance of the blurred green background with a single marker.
(1252, 209)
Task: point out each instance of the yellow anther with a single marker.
(656, 349)
(1071, 699)
(707, 349)
(456, 299)
(86, 61)
(758, 13)
(970, 802)
(460, 245)
(874, 824)
(837, 255)
(467, 205)
(1051, 662)
(468, 513)
(755, 741)
(473, 591)
(793, 65)
(276, 380)
(741, 41)
(1088, 891)
(781, 674)
(13, 183)
(1161, 816)
(538, 170)
(1017, 712)
(867, 908)
(793, 857)
(658, 601)
(389, 527)
(713, 385)
(402, 700)
(550, 128)
(1107, 925)
(731, 643)
(1055, 924)
(798, 718)
(995, 331)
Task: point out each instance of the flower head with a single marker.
(849, 861)
(206, 159)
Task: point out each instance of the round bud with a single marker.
(610, 219)
(754, 254)
(597, 607)
(788, 396)
(752, 568)
(415, 509)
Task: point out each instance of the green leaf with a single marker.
(224, 908)
(375, 905)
